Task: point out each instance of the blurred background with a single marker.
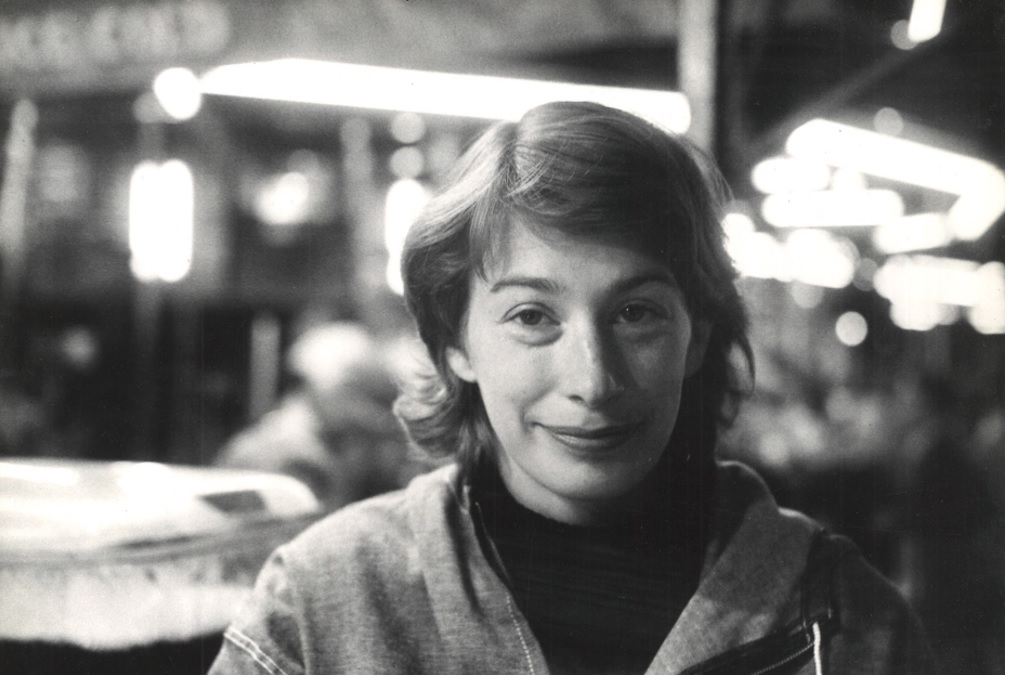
(202, 204)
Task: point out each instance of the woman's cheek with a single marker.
(657, 364)
(515, 373)
(519, 369)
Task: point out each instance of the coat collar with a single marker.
(750, 584)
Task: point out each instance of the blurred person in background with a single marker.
(953, 480)
(572, 289)
(22, 422)
(334, 429)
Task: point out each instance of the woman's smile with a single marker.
(592, 439)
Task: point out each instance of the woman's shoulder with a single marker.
(871, 624)
(876, 625)
(374, 529)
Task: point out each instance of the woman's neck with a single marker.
(676, 490)
(565, 509)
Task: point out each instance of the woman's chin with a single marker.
(583, 497)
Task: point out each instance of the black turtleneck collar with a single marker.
(600, 597)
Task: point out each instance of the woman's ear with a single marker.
(700, 331)
(460, 365)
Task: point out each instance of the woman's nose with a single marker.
(590, 366)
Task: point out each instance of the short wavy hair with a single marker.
(586, 170)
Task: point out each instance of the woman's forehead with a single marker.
(529, 255)
(517, 237)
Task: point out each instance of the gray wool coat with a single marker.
(399, 584)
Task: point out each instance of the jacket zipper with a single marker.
(785, 660)
(742, 662)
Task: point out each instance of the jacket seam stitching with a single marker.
(522, 637)
(464, 504)
(249, 646)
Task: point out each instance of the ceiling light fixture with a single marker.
(947, 281)
(425, 92)
(789, 174)
(178, 92)
(979, 185)
(925, 22)
(832, 208)
(919, 232)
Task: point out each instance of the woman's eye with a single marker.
(634, 313)
(530, 317)
(532, 326)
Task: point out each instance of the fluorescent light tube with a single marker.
(979, 184)
(789, 174)
(885, 156)
(926, 19)
(913, 233)
(832, 208)
(460, 95)
(946, 281)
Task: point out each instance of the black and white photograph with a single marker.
(551, 337)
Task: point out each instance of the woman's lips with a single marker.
(594, 438)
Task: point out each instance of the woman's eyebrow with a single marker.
(550, 286)
(663, 277)
(533, 283)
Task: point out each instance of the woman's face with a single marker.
(580, 349)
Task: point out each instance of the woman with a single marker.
(573, 292)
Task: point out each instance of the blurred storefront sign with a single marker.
(81, 46)
(66, 46)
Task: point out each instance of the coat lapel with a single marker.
(752, 575)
